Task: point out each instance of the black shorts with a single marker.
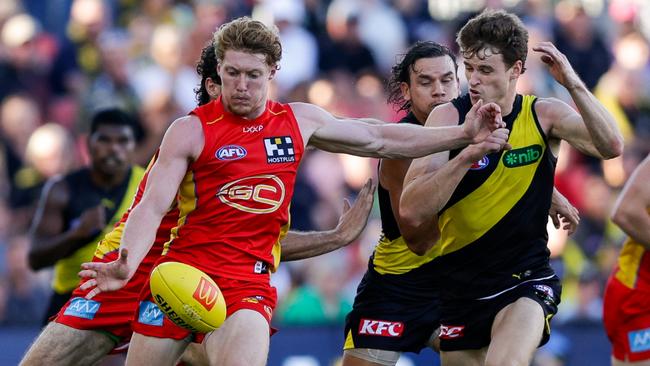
(468, 324)
(393, 312)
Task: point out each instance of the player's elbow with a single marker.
(614, 148)
(621, 216)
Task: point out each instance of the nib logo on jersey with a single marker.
(381, 328)
(279, 150)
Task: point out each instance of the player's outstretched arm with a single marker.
(431, 180)
(631, 208)
(182, 143)
(396, 141)
(563, 213)
(300, 245)
(593, 131)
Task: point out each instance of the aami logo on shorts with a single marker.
(82, 308)
(481, 164)
(230, 152)
(451, 331)
(639, 340)
(206, 294)
(381, 328)
(149, 313)
(279, 150)
(259, 194)
(522, 156)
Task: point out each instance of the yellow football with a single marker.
(189, 297)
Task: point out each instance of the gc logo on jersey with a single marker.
(230, 152)
(259, 194)
(279, 150)
(82, 308)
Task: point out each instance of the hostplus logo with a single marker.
(522, 156)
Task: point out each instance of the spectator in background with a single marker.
(577, 37)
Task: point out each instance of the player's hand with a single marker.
(481, 120)
(91, 222)
(495, 142)
(558, 65)
(354, 219)
(563, 214)
(103, 277)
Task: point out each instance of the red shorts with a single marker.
(257, 296)
(626, 315)
(109, 312)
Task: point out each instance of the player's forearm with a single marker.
(604, 132)
(408, 141)
(424, 196)
(636, 224)
(46, 252)
(139, 234)
(300, 245)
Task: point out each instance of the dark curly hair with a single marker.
(206, 68)
(400, 73)
(497, 30)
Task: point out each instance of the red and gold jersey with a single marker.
(112, 240)
(234, 199)
(633, 268)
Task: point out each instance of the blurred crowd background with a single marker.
(61, 60)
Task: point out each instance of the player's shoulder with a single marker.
(549, 107)
(443, 114)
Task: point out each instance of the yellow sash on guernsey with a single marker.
(394, 257)
(629, 261)
(65, 270)
(474, 215)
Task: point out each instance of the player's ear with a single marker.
(405, 88)
(517, 69)
(274, 69)
(212, 87)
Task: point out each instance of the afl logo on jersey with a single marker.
(481, 164)
(230, 152)
(259, 194)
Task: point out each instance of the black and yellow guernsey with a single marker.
(493, 228)
(84, 195)
(392, 258)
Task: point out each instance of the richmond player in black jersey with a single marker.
(396, 308)
(497, 289)
(76, 210)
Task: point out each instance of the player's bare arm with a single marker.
(300, 245)
(49, 241)
(593, 130)
(563, 213)
(436, 177)
(631, 208)
(321, 129)
(182, 143)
